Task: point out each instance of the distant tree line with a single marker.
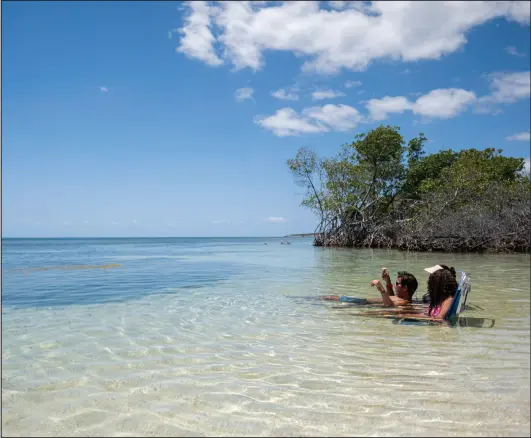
(380, 192)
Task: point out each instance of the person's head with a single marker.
(442, 284)
(452, 270)
(405, 286)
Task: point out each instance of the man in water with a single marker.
(405, 286)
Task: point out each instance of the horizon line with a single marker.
(144, 237)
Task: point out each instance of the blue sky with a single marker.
(175, 119)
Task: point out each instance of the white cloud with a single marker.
(521, 136)
(352, 84)
(326, 94)
(510, 87)
(287, 122)
(379, 109)
(220, 222)
(104, 89)
(275, 219)
(513, 51)
(505, 88)
(37, 223)
(285, 95)
(66, 223)
(85, 222)
(197, 38)
(337, 117)
(242, 94)
(135, 222)
(115, 223)
(351, 36)
(442, 103)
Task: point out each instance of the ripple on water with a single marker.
(249, 351)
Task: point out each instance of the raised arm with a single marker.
(388, 284)
(387, 301)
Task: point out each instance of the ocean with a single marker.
(227, 337)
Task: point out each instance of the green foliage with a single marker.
(378, 179)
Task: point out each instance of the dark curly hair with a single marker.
(426, 297)
(441, 285)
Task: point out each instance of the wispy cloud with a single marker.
(242, 94)
(506, 88)
(326, 94)
(520, 136)
(66, 223)
(135, 222)
(115, 223)
(284, 95)
(352, 84)
(85, 222)
(220, 222)
(104, 89)
(37, 223)
(275, 219)
(513, 51)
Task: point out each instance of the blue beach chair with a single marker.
(459, 302)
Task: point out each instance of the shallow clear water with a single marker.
(225, 337)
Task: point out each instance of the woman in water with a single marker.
(442, 287)
(426, 296)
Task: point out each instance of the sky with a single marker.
(176, 119)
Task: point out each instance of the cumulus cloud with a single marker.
(351, 35)
(513, 51)
(520, 136)
(379, 109)
(104, 89)
(275, 219)
(196, 35)
(352, 84)
(326, 94)
(242, 94)
(287, 122)
(284, 95)
(442, 103)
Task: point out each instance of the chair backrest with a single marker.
(459, 302)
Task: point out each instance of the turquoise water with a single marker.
(225, 337)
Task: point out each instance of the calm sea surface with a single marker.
(191, 337)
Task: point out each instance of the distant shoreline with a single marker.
(302, 235)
